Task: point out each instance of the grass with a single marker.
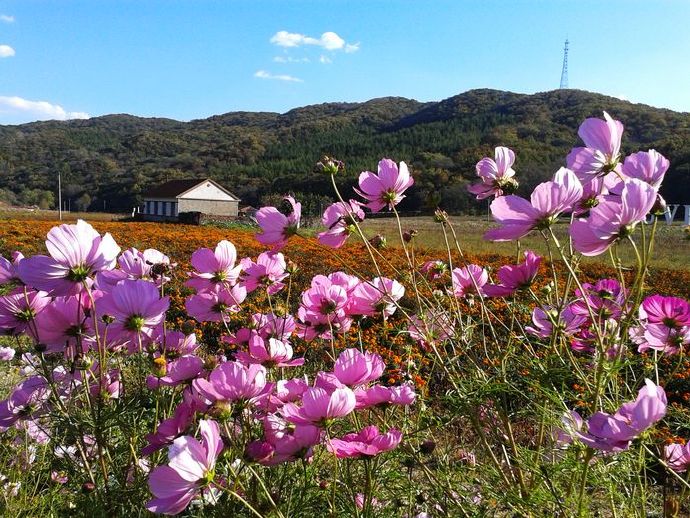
(672, 247)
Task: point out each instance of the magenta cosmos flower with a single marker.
(231, 381)
(215, 305)
(380, 296)
(77, 252)
(63, 323)
(496, 174)
(340, 219)
(613, 219)
(136, 308)
(386, 188)
(677, 456)
(214, 267)
(615, 432)
(9, 270)
(367, 443)
(518, 216)
(269, 353)
(268, 272)
(648, 166)
(320, 406)
(601, 153)
(171, 428)
(355, 368)
(513, 278)
(190, 469)
(276, 227)
(469, 280)
(19, 309)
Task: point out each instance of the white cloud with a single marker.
(325, 59)
(290, 59)
(328, 40)
(6, 18)
(262, 74)
(15, 110)
(6, 51)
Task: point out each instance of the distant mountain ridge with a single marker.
(114, 158)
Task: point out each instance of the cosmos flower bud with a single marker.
(427, 447)
(408, 235)
(659, 208)
(440, 216)
(329, 165)
(378, 241)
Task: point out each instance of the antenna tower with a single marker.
(564, 72)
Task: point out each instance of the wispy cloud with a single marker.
(328, 41)
(6, 51)
(290, 59)
(6, 18)
(17, 109)
(325, 59)
(262, 74)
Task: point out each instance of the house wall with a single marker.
(215, 207)
(160, 209)
(207, 191)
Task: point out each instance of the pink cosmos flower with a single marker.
(63, 324)
(547, 321)
(367, 443)
(606, 298)
(386, 188)
(671, 311)
(9, 270)
(77, 252)
(320, 406)
(469, 280)
(6, 353)
(286, 441)
(665, 339)
(276, 227)
(615, 432)
(231, 381)
(269, 353)
(434, 270)
(136, 307)
(19, 309)
(268, 271)
(677, 456)
(648, 166)
(380, 296)
(26, 400)
(515, 277)
(170, 429)
(403, 395)
(601, 153)
(270, 325)
(215, 305)
(177, 372)
(190, 468)
(356, 368)
(430, 328)
(214, 267)
(340, 219)
(518, 216)
(613, 219)
(496, 174)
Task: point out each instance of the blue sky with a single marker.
(195, 58)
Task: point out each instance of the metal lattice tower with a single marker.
(564, 72)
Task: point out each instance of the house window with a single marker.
(159, 212)
(175, 213)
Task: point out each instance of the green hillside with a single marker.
(116, 157)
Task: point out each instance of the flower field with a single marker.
(201, 371)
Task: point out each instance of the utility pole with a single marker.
(60, 193)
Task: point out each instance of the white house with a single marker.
(168, 200)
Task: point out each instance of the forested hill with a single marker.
(117, 157)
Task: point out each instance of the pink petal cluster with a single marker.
(513, 278)
(518, 217)
(495, 174)
(368, 442)
(340, 220)
(601, 153)
(276, 227)
(386, 188)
